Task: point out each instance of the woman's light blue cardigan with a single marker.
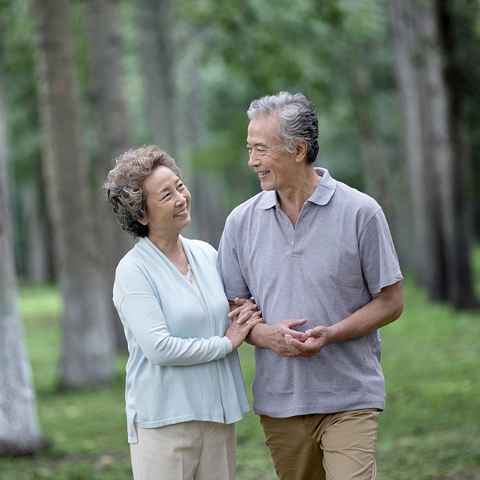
(181, 367)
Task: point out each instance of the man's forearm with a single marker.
(260, 336)
(384, 308)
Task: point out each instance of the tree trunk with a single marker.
(377, 175)
(428, 268)
(19, 430)
(155, 20)
(441, 245)
(88, 352)
(114, 133)
(38, 264)
(208, 194)
(458, 168)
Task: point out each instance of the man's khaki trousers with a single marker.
(337, 446)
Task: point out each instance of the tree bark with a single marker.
(19, 430)
(155, 21)
(208, 193)
(439, 224)
(459, 224)
(377, 175)
(428, 270)
(88, 352)
(38, 263)
(114, 133)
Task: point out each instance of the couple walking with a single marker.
(316, 257)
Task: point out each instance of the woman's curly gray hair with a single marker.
(124, 185)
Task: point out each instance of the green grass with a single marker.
(431, 426)
(429, 431)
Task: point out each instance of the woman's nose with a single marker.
(181, 198)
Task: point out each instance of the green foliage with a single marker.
(429, 430)
(466, 30)
(244, 50)
(18, 79)
(260, 47)
(133, 70)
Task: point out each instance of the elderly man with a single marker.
(319, 260)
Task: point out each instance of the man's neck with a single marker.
(293, 197)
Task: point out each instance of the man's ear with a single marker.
(301, 151)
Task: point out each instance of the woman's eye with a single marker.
(166, 196)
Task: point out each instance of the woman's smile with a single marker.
(183, 213)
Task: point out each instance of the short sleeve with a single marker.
(228, 264)
(378, 258)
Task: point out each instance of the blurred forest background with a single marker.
(396, 84)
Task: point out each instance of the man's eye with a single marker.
(166, 195)
(180, 186)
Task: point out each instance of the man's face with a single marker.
(273, 164)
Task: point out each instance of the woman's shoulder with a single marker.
(138, 258)
(199, 247)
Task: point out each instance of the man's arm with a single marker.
(274, 336)
(384, 308)
(268, 336)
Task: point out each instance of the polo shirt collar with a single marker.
(325, 189)
(321, 196)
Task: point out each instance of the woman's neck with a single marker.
(172, 248)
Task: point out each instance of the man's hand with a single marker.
(274, 336)
(267, 336)
(317, 338)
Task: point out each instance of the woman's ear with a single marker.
(143, 221)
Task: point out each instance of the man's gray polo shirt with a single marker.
(324, 270)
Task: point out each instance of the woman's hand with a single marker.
(242, 310)
(238, 331)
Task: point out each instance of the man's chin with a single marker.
(266, 187)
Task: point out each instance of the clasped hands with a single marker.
(281, 338)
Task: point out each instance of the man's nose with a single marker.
(252, 159)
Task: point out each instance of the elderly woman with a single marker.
(184, 386)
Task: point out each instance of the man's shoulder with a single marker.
(248, 207)
(356, 199)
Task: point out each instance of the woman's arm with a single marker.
(144, 317)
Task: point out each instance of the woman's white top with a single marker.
(192, 280)
(181, 366)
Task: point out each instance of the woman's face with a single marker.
(168, 203)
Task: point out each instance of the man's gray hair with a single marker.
(298, 120)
